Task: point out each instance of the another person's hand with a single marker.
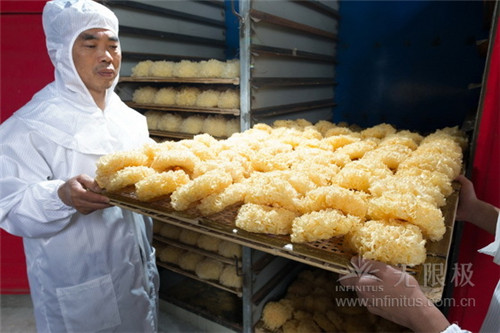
(82, 193)
(394, 295)
(467, 200)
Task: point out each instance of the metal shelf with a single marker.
(196, 109)
(260, 82)
(208, 254)
(260, 16)
(237, 292)
(151, 79)
(174, 135)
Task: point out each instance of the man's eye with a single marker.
(89, 46)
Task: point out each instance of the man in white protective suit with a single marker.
(91, 267)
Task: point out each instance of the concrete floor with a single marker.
(16, 316)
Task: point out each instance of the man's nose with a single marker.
(105, 56)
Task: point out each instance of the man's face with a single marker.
(97, 57)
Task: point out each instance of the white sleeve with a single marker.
(454, 328)
(29, 203)
(493, 249)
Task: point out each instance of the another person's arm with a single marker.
(474, 210)
(396, 296)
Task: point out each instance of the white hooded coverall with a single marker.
(87, 273)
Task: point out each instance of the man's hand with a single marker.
(395, 295)
(82, 193)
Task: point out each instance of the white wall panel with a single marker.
(293, 40)
(289, 95)
(288, 67)
(147, 20)
(297, 12)
(190, 7)
(313, 116)
(265, 34)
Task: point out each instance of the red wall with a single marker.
(25, 64)
(25, 69)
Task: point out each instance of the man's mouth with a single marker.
(109, 73)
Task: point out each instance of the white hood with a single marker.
(65, 108)
(63, 21)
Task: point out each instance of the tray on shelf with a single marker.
(326, 254)
(176, 108)
(234, 81)
(174, 135)
(195, 249)
(173, 268)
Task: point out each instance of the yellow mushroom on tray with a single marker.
(380, 189)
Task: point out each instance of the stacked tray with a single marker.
(327, 254)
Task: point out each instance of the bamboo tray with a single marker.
(326, 254)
